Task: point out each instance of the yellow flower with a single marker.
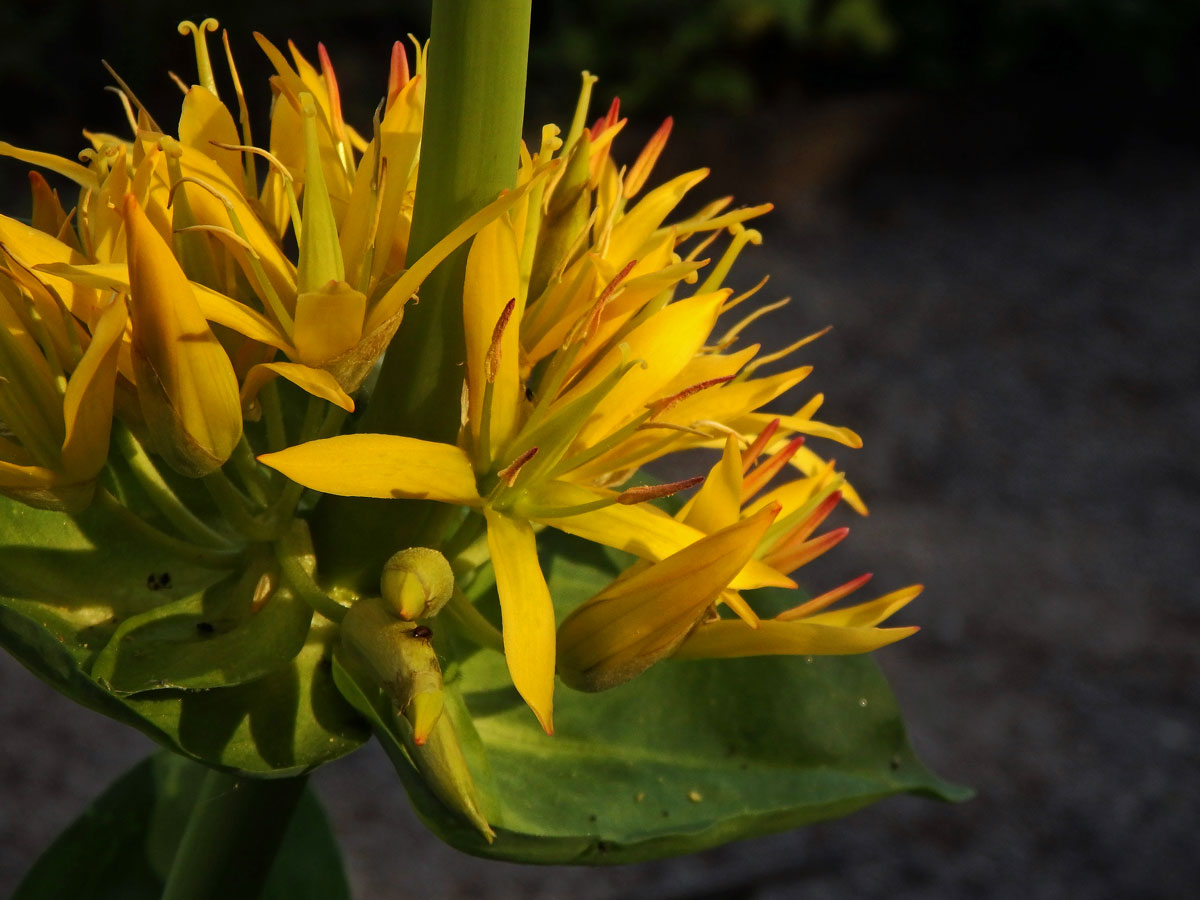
(332, 312)
(584, 361)
(644, 617)
(56, 393)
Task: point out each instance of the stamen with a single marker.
(800, 533)
(732, 334)
(642, 493)
(751, 454)
(816, 604)
(703, 245)
(178, 82)
(658, 407)
(491, 362)
(755, 365)
(642, 166)
(741, 237)
(398, 73)
(129, 116)
(335, 107)
(669, 426)
(203, 63)
(581, 107)
(598, 309)
(243, 116)
(510, 472)
(746, 295)
(789, 561)
(700, 223)
(608, 120)
(226, 232)
(756, 480)
(131, 95)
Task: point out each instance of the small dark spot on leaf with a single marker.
(156, 582)
(601, 847)
(204, 628)
(152, 581)
(895, 763)
(592, 817)
(422, 631)
(164, 580)
(666, 815)
(744, 766)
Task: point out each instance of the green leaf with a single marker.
(123, 844)
(214, 638)
(70, 587)
(684, 757)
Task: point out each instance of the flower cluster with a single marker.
(600, 338)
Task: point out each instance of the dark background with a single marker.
(997, 204)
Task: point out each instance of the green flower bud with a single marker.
(417, 583)
(400, 658)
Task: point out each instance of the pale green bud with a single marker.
(417, 583)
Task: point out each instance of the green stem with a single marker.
(236, 509)
(254, 479)
(201, 556)
(475, 104)
(160, 493)
(474, 108)
(472, 624)
(299, 580)
(232, 837)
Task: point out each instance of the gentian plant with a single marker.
(344, 432)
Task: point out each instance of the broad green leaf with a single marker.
(215, 638)
(687, 756)
(67, 586)
(122, 845)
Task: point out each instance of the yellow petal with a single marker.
(383, 466)
(491, 281)
(641, 529)
(81, 175)
(640, 619)
(34, 248)
(329, 322)
(526, 611)
(88, 401)
(719, 500)
(186, 385)
(636, 226)
(317, 382)
(214, 306)
(866, 615)
(666, 341)
(205, 119)
(727, 639)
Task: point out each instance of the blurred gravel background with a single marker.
(1016, 339)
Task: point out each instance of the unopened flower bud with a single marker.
(417, 583)
(637, 621)
(401, 660)
(399, 657)
(186, 385)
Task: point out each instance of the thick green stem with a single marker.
(475, 103)
(161, 494)
(231, 839)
